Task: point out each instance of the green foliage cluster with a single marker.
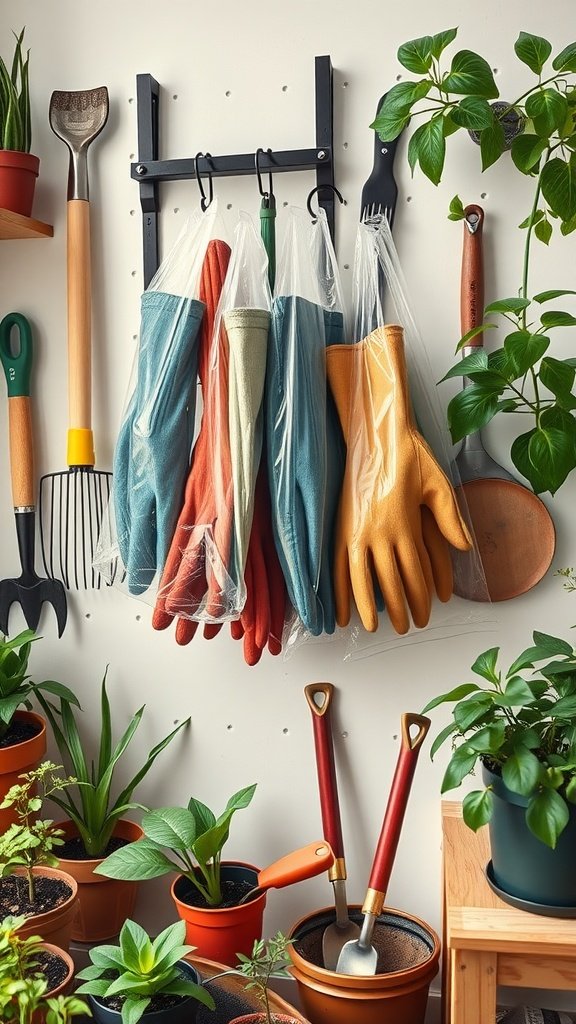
(23, 987)
(522, 725)
(16, 687)
(15, 120)
(520, 376)
(267, 958)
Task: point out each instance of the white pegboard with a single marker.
(235, 77)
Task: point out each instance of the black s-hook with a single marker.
(268, 197)
(318, 188)
(204, 201)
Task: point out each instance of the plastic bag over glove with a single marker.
(391, 479)
(153, 448)
(199, 499)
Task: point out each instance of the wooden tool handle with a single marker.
(21, 451)
(396, 807)
(472, 275)
(327, 784)
(79, 314)
(294, 867)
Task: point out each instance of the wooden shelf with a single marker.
(14, 225)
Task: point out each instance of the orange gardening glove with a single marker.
(398, 511)
(184, 581)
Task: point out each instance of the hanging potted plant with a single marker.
(96, 824)
(22, 733)
(144, 979)
(207, 892)
(521, 726)
(267, 959)
(35, 977)
(18, 166)
(30, 883)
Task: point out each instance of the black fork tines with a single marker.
(72, 508)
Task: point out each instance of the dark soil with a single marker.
(52, 967)
(156, 1004)
(73, 849)
(19, 732)
(232, 893)
(399, 947)
(50, 893)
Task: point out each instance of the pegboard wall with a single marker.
(233, 78)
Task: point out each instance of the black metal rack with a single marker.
(149, 171)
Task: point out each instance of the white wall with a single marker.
(254, 724)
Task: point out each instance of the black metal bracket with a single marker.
(149, 171)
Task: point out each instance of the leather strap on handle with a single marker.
(80, 441)
(21, 452)
(397, 800)
(472, 275)
(327, 784)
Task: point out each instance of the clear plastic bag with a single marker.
(152, 451)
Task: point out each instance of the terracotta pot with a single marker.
(54, 926)
(18, 173)
(103, 903)
(260, 1018)
(184, 1013)
(399, 993)
(220, 934)
(20, 757)
(63, 989)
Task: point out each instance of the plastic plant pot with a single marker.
(182, 1013)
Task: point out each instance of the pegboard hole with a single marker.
(131, 157)
(483, 195)
(229, 728)
(87, 616)
(395, 736)
(398, 78)
(345, 85)
(228, 206)
(228, 92)
(284, 203)
(346, 266)
(175, 96)
(344, 145)
(285, 731)
(134, 337)
(132, 212)
(138, 618)
(408, 199)
(176, 209)
(133, 273)
(495, 71)
(284, 88)
(130, 99)
(344, 735)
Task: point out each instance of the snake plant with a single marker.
(15, 120)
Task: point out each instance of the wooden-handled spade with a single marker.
(29, 589)
(360, 957)
(342, 930)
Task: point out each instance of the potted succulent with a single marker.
(35, 977)
(30, 883)
(539, 130)
(520, 726)
(267, 958)
(141, 978)
(189, 840)
(18, 167)
(22, 733)
(95, 822)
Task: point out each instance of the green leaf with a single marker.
(568, 226)
(441, 40)
(554, 293)
(136, 861)
(530, 220)
(492, 143)
(240, 799)
(552, 645)
(520, 456)
(133, 940)
(524, 350)
(566, 59)
(473, 113)
(431, 149)
(489, 739)
(466, 338)
(477, 808)
(485, 665)
(400, 98)
(204, 818)
(456, 209)
(470, 75)
(173, 827)
(453, 695)
(548, 110)
(443, 735)
(475, 362)
(543, 231)
(461, 764)
(521, 772)
(470, 711)
(389, 128)
(547, 816)
(512, 305)
(472, 408)
(564, 708)
(533, 51)
(558, 182)
(517, 693)
(552, 454)
(571, 791)
(557, 318)
(416, 55)
(557, 376)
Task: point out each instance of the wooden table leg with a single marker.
(473, 987)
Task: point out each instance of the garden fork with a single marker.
(380, 191)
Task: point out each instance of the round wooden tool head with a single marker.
(515, 538)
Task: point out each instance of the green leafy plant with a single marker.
(16, 686)
(139, 969)
(195, 838)
(94, 811)
(521, 725)
(519, 377)
(569, 575)
(23, 987)
(15, 120)
(267, 958)
(29, 841)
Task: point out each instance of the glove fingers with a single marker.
(439, 496)
(363, 590)
(342, 584)
(259, 610)
(211, 630)
(392, 589)
(236, 629)
(439, 554)
(185, 631)
(161, 619)
(417, 582)
(252, 651)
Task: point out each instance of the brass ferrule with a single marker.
(373, 903)
(337, 872)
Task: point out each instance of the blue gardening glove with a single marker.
(303, 485)
(153, 448)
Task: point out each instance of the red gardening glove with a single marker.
(262, 619)
(184, 578)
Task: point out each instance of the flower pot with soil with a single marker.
(22, 733)
(30, 884)
(95, 826)
(18, 167)
(206, 892)
(521, 726)
(144, 979)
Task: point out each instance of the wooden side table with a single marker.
(486, 942)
